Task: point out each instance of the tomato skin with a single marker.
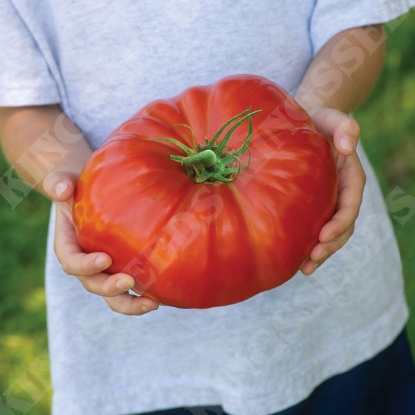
(197, 245)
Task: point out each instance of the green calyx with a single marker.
(211, 162)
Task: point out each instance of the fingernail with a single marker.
(123, 284)
(331, 237)
(346, 143)
(146, 309)
(102, 261)
(315, 266)
(323, 255)
(60, 188)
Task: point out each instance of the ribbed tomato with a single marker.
(210, 197)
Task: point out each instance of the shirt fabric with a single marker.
(102, 61)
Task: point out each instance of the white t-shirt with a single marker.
(102, 61)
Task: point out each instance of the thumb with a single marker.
(338, 126)
(59, 185)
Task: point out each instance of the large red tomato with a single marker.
(204, 212)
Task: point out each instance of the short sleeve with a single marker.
(332, 16)
(24, 75)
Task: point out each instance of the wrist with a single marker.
(314, 103)
(38, 141)
(344, 71)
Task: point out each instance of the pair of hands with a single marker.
(342, 131)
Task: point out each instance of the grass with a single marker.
(22, 300)
(387, 122)
(388, 128)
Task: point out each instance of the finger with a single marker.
(321, 252)
(344, 130)
(308, 267)
(59, 185)
(131, 305)
(346, 136)
(84, 264)
(107, 285)
(73, 260)
(350, 197)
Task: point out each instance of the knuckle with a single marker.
(321, 261)
(364, 177)
(118, 308)
(87, 286)
(58, 254)
(66, 267)
(356, 215)
(111, 306)
(346, 236)
(109, 288)
(55, 248)
(108, 291)
(352, 214)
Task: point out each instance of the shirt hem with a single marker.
(333, 24)
(20, 97)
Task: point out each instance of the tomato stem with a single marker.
(206, 157)
(212, 162)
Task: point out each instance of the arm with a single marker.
(40, 139)
(48, 152)
(337, 81)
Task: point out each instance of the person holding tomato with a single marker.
(325, 342)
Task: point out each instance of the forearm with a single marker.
(345, 70)
(38, 140)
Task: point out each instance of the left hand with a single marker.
(343, 133)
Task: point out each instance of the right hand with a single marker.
(89, 268)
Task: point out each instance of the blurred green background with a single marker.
(387, 120)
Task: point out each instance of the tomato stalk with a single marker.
(212, 162)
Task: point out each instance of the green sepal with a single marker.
(212, 163)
